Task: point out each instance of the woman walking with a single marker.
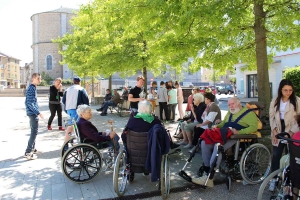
(282, 119)
(55, 103)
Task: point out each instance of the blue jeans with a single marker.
(34, 123)
(73, 114)
(106, 104)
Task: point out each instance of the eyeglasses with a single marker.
(286, 90)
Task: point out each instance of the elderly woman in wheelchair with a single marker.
(82, 159)
(238, 126)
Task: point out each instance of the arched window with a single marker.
(49, 62)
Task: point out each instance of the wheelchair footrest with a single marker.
(185, 176)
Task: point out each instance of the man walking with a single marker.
(74, 96)
(113, 102)
(32, 111)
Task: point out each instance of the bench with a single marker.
(118, 107)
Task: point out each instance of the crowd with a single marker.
(202, 118)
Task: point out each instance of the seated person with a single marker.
(88, 131)
(106, 98)
(241, 120)
(209, 116)
(143, 121)
(113, 102)
(187, 127)
(125, 94)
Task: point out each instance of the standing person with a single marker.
(32, 111)
(55, 103)
(170, 83)
(73, 97)
(113, 102)
(152, 95)
(106, 98)
(282, 119)
(172, 99)
(134, 94)
(190, 98)
(163, 101)
(179, 100)
(125, 94)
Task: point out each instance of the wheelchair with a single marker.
(287, 177)
(251, 161)
(81, 161)
(132, 160)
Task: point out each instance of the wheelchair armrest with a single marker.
(243, 136)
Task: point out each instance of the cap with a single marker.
(296, 136)
(196, 88)
(76, 79)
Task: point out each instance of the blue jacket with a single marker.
(31, 104)
(158, 144)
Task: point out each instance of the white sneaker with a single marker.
(30, 156)
(183, 143)
(201, 181)
(188, 146)
(272, 185)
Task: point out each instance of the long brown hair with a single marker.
(292, 98)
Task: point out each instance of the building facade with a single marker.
(47, 26)
(246, 81)
(10, 71)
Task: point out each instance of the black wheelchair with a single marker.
(251, 161)
(81, 161)
(132, 160)
(287, 177)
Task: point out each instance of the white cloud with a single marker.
(16, 26)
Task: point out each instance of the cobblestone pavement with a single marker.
(43, 179)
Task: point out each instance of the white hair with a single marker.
(199, 96)
(237, 100)
(145, 107)
(82, 109)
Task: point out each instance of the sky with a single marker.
(16, 25)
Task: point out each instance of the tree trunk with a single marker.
(110, 83)
(93, 94)
(261, 54)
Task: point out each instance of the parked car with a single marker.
(225, 89)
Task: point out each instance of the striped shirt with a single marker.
(31, 104)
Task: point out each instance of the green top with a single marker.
(146, 117)
(249, 121)
(173, 96)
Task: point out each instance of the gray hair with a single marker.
(145, 107)
(82, 109)
(237, 100)
(199, 96)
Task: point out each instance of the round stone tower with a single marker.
(47, 26)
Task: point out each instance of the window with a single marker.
(49, 62)
(2, 66)
(8, 67)
(8, 75)
(2, 75)
(0, 59)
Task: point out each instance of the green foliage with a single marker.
(43, 83)
(45, 77)
(67, 81)
(294, 75)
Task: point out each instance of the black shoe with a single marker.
(103, 114)
(99, 109)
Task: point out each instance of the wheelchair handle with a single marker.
(282, 136)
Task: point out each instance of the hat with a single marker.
(208, 90)
(296, 136)
(76, 79)
(196, 88)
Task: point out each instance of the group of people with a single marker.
(204, 114)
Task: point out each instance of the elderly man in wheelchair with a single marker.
(237, 124)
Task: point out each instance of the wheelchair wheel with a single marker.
(278, 192)
(255, 163)
(120, 174)
(68, 144)
(165, 177)
(228, 183)
(81, 163)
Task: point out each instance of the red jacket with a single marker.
(212, 136)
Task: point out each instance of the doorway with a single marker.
(252, 86)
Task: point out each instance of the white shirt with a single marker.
(282, 108)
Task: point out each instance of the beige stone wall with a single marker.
(46, 27)
(11, 71)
